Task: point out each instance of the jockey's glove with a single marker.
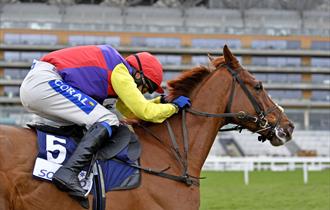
(181, 102)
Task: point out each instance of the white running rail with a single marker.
(248, 164)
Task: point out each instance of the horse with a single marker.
(222, 93)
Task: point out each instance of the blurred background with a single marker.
(284, 43)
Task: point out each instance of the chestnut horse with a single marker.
(222, 93)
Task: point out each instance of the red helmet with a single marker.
(151, 67)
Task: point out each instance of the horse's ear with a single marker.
(211, 58)
(229, 57)
(211, 65)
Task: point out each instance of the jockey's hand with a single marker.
(182, 102)
(163, 99)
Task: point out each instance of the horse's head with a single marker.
(259, 113)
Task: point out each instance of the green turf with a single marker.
(266, 191)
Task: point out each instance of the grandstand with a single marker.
(284, 43)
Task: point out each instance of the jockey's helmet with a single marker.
(149, 66)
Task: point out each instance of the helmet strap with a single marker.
(141, 79)
(140, 69)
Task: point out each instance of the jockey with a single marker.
(68, 86)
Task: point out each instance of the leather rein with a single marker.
(182, 158)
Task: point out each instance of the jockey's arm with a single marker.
(122, 108)
(131, 98)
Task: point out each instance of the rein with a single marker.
(183, 160)
(260, 120)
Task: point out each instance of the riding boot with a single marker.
(66, 177)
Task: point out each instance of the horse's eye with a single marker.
(258, 86)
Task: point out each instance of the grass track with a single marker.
(267, 191)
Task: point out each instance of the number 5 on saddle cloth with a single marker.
(113, 160)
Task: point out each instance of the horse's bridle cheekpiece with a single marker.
(259, 119)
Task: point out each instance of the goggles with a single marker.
(147, 85)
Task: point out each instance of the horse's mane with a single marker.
(186, 82)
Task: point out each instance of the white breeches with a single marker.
(44, 93)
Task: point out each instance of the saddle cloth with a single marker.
(122, 149)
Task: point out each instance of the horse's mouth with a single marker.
(281, 136)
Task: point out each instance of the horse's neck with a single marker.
(212, 97)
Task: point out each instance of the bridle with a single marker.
(259, 119)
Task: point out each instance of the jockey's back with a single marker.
(87, 68)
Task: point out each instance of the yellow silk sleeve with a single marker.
(122, 108)
(155, 100)
(132, 103)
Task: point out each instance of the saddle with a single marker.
(111, 166)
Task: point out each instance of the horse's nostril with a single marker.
(291, 127)
(289, 130)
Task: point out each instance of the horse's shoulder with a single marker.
(17, 144)
(11, 136)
